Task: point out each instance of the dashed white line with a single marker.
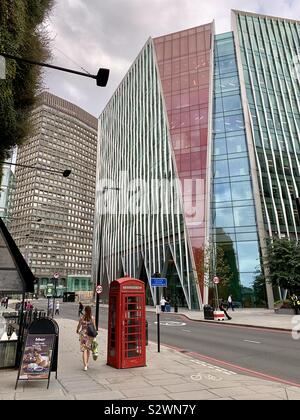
(254, 342)
(187, 331)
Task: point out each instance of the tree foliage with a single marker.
(213, 262)
(21, 34)
(283, 263)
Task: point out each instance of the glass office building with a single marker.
(202, 140)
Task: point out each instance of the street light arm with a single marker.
(101, 77)
(65, 173)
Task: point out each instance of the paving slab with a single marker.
(169, 375)
(146, 392)
(105, 396)
(184, 387)
(192, 395)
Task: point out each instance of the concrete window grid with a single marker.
(51, 184)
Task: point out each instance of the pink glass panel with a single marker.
(187, 56)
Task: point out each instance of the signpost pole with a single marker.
(97, 310)
(56, 277)
(98, 293)
(158, 320)
(54, 296)
(157, 282)
(217, 298)
(216, 281)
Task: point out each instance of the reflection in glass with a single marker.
(227, 65)
(236, 144)
(248, 255)
(241, 190)
(232, 103)
(233, 207)
(218, 105)
(219, 126)
(229, 84)
(225, 47)
(234, 123)
(244, 216)
(224, 217)
(238, 167)
(221, 169)
(220, 147)
(222, 192)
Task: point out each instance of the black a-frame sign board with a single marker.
(40, 352)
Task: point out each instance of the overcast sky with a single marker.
(110, 33)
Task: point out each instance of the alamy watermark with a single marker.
(296, 327)
(152, 197)
(2, 68)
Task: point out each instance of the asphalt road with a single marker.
(272, 353)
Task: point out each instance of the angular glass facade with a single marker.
(269, 49)
(185, 60)
(222, 111)
(140, 227)
(234, 226)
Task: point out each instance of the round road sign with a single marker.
(216, 280)
(56, 275)
(99, 289)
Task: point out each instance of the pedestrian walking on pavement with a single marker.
(222, 308)
(80, 310)
(86, 322)
(163, 304)
(230, 302)
(296, 303)
(50, 307)
(168, 304)
(57, 308)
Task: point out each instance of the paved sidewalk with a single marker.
(169, 375)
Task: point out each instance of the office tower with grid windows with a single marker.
(6, 188)
(198, 156)
(52, 215)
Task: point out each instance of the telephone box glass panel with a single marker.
(133, 326)
(112, 338)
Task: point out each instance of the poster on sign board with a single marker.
(37, 357)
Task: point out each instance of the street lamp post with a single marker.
(66, 173)
(101, 77)
(98, 269)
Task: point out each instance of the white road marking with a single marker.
(254, 342)
(216, 368)
(172, 323)
(187, 331)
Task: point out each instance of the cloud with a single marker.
(90, 34)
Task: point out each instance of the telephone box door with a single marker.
(134, 331)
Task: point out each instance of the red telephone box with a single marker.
(126, 346)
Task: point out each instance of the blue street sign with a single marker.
(158, 282)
